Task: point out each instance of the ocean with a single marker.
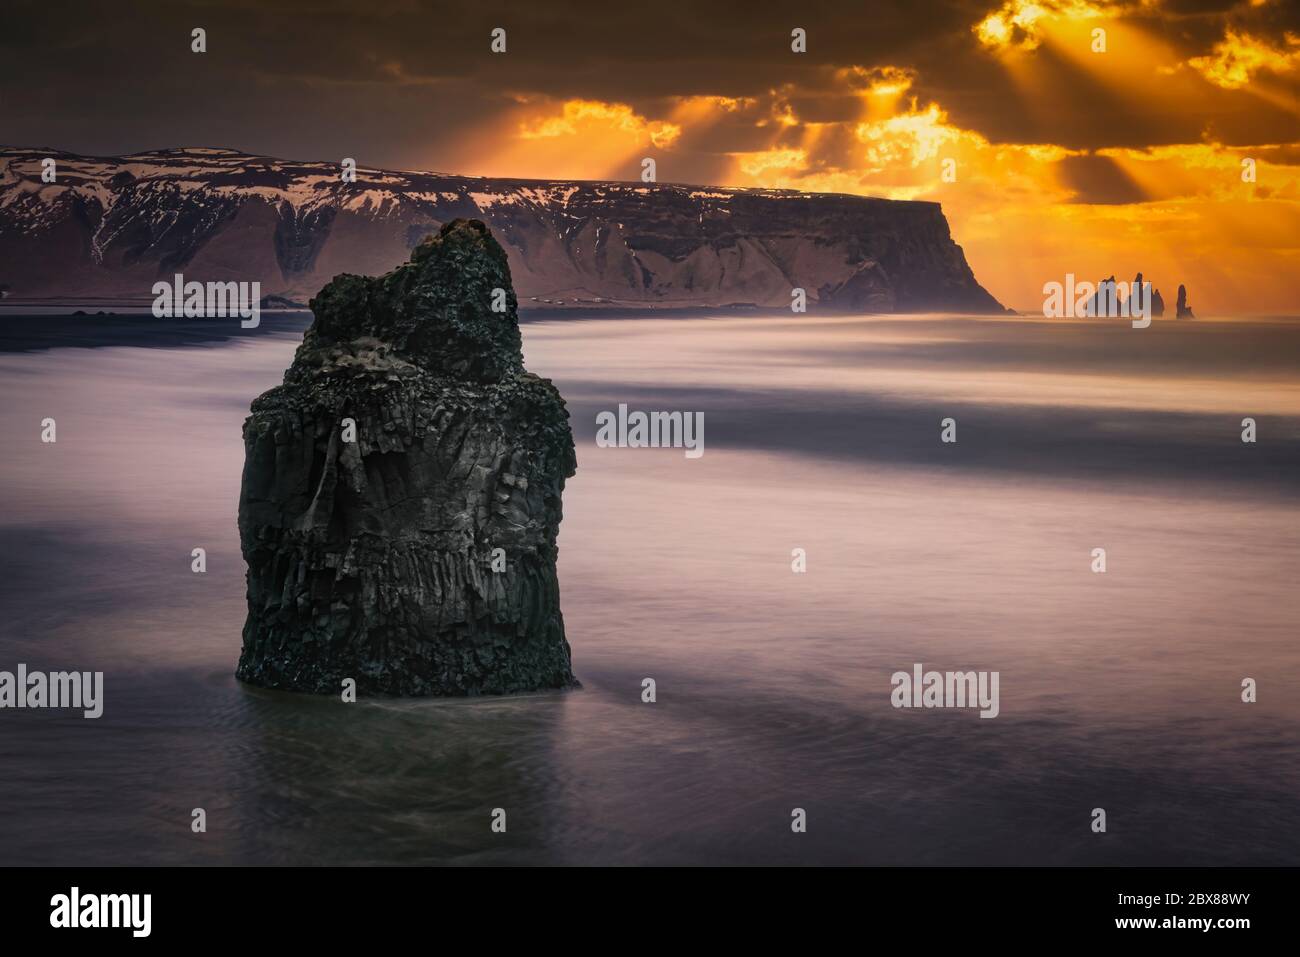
(1119, 690)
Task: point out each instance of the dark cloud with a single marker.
(401, 83)
(1100, 180)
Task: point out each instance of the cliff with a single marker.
(110, 227)
(402, 489)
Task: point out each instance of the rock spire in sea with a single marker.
(402, 490)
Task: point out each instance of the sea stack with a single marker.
(402, 490)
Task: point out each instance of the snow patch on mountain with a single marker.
(109, 226)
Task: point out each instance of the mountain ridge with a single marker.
(109, 226)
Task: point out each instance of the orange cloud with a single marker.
(1235, 59)
(760, 163)
(910, 137)
(877, 81)
(569, 139)
(579, 117)
(1024, 212)
(1020, 24)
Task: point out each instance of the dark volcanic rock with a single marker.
(373, 559)
(1098, 304)
(1184, 310)
(1157, 300)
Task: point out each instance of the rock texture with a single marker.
(1184, 310)
(373, 559)
(112, 226)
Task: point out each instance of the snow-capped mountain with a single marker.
(109, 227)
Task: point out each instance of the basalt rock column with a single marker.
(401, 490)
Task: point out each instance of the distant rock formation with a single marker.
(402, 490)
(1157, 301)
(280, 302)
(1097, 305)
(112, 226)
(1106, 299)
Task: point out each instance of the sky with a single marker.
(1168, 143)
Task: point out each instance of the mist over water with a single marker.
(1119, 691)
